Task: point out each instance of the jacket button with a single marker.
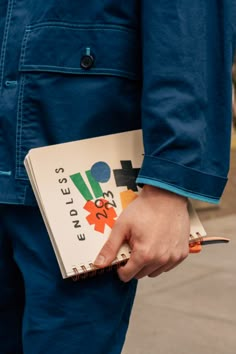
(87, 62)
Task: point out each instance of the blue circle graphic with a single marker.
(101, 172)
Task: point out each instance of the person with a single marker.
(233, 94)
(74, 70)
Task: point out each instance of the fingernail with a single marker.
(100, 260)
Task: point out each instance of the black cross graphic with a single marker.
(126, 176)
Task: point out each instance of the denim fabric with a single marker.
(42, 313)
(77, 69)
(161, 65)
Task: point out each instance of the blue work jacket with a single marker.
(77, 69)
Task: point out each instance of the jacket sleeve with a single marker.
(186, 101)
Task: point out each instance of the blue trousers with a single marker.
(42, 313)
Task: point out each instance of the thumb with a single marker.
(110, 249)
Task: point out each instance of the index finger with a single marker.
(132, 267)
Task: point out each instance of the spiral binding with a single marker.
(91, 270)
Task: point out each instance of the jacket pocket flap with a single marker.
(81, 49)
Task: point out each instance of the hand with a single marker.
(156, 226)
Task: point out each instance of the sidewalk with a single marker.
(192, 309)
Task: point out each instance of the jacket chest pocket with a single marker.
(77, 81)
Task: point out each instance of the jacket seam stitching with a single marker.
(19, 128)
(81, 27)
(5, 39)
(61, 69)
(24, 47)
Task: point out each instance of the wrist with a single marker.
(156, 192)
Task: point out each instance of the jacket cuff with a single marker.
(181, 180)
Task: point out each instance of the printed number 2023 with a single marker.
(105, 205)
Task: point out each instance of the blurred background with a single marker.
(192, 309)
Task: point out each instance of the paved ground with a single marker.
(192, 310)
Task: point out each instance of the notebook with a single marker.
(81, 188)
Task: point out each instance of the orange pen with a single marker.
(196, 246)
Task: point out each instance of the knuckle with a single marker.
(163, 259)
(146, 256)
(176, 258)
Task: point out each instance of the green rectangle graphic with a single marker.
(78, 181)
(97, 190)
